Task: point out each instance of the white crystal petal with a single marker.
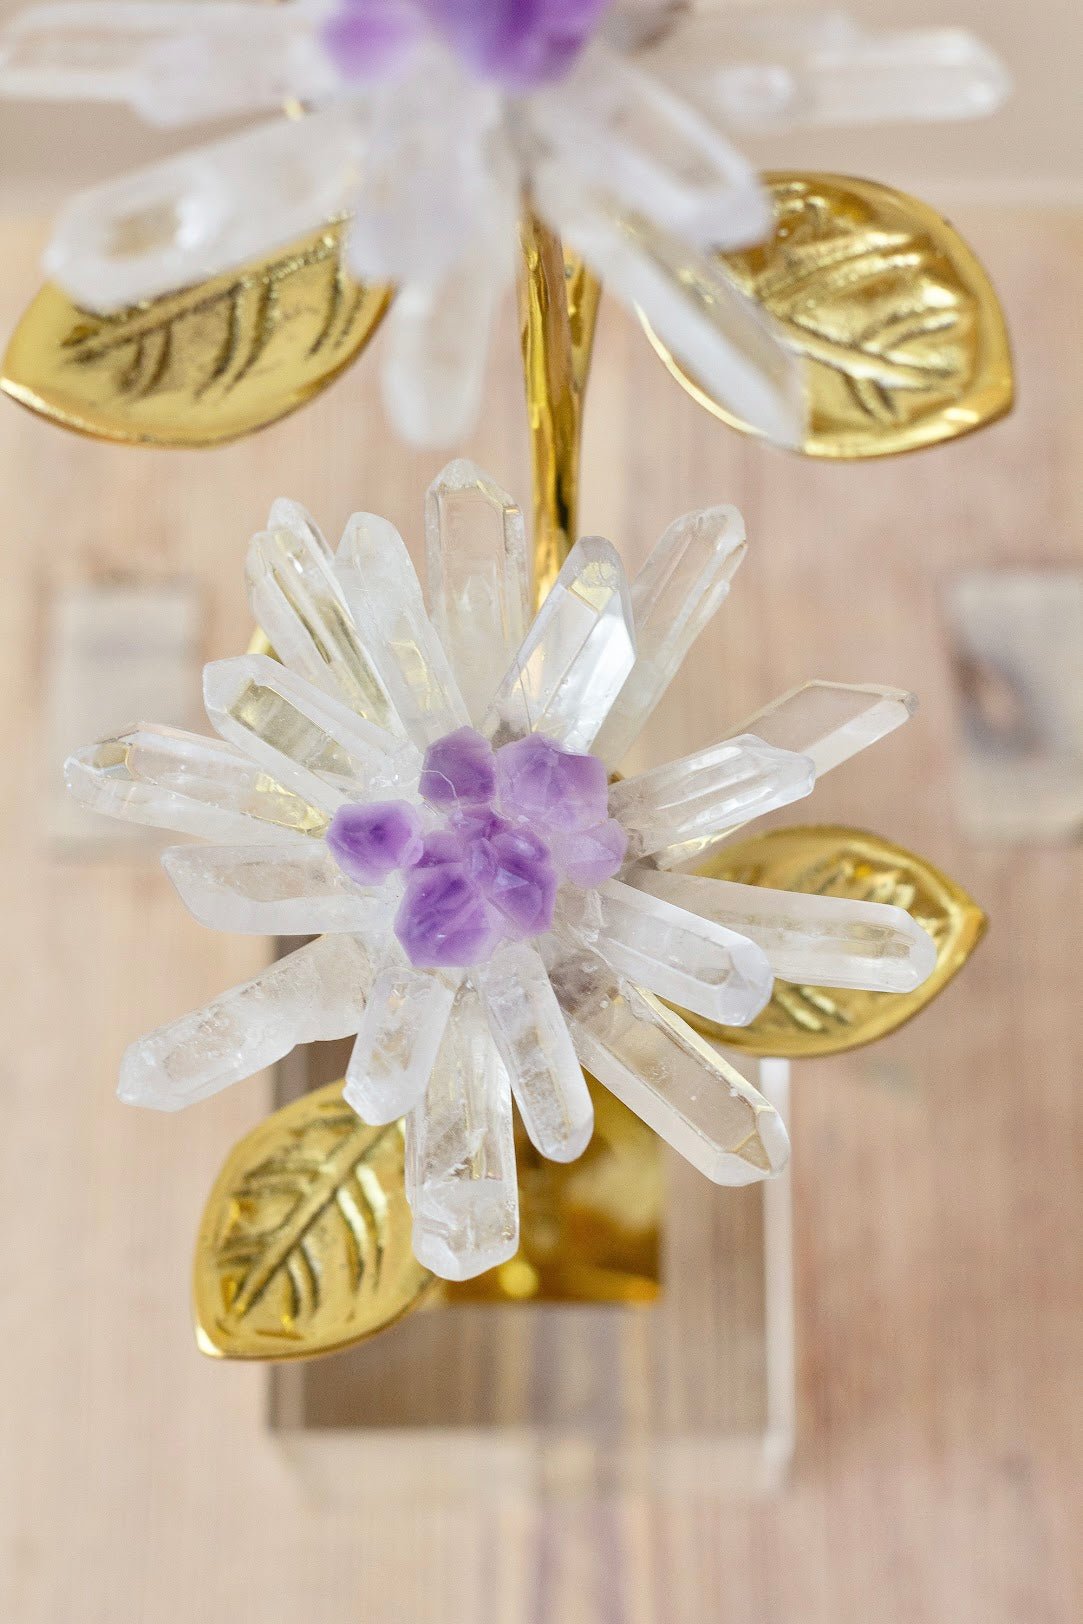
(692, 961)
(532, 1035)
(398, 1039)
(575, 658)
(682, 585)
(622, 132)
(193, 785)
(477, 577)
(722, 338)
(285, 514)
(315, 993)
(830, 721)
(668, 1075)
(680, 809)
(273, 891)
(214, 207)
(173, 63)
(818, 941)
(460, 1152)
(309, 741)
(384, 597)
(297, 601)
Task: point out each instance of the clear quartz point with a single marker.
(575, 658)
(208, 210)
(309, 741)
(830, 721)
(663, 1071)
(298, 603)
(818, 941)
(678, 811)
(478, 575)
(680, 955)
(286, 514)
(682, 585)
(315, 993)
(398, 1039)
(532, 1035)
(460, 1152)
(272, 890)
(725, 341)
(193, 785)
(384, 597)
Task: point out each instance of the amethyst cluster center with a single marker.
(483, 858)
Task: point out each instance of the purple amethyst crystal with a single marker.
(538, 781)
(368, 39)
(589, 857)
(458, 770)
(444, 920)
(369, 842)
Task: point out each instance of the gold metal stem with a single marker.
(559, 304)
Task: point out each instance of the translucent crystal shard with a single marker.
(575, 658)
(197, 786)
(278, 890)
(691, 960)
(298, 603)
(211, 208)
(679, 809)
(309, 741)
(532, 1036)
(679, 589)
(831, 721)
(316, 993)
(664, 1072)
(460, 1153)
(818, 941)
(384, 596)
(398, 1039)
(478, 575)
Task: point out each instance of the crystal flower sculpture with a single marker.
(429, 789)
(429, 121)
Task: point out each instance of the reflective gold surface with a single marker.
(203, 365)
(901, 332)
(805, 1022)
(304, 1244)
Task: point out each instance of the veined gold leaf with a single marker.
(804, 1022)
(902, 337)
(201, 366)
(304, 1245)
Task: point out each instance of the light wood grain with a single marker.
(937, 1176)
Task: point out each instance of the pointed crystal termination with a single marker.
(316, 993)
(461, 1153)
(272, 890)
(399, 1038)
(682, 585)
(298, 602)
(170, 779)
(663, 1071)
(384, 596)
(309, 741)
(532, 1036)
(478, 572)
(576, 656)
(679, 810)
(831, 721)
(817, 941)
(692, 961)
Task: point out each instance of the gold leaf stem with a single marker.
(558, 306)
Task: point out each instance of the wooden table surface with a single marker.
(937, 1175)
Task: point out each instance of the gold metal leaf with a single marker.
(201, 366)
(902, 337)
(304, 1245)
(804, 1022)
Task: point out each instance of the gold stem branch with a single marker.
(558, 303)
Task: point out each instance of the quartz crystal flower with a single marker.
(427, 123)
(491, 912)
